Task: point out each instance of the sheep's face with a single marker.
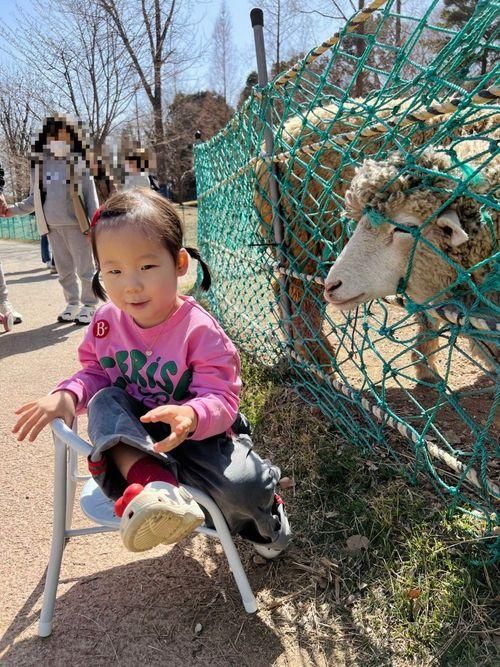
(376, 258)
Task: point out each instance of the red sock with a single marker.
(147, 470)
(142, 472)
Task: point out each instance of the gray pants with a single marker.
(72, 255)
(3, 286)
(225, 467)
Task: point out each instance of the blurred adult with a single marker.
(64, 198)
(8, 315)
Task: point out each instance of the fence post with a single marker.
(257, 19)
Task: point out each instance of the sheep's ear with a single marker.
(452, 228)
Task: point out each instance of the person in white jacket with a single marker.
(64, 199)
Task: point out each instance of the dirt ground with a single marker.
(113, 607)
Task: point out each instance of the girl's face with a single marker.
(131, 167)
(139, 274)
(60, 146)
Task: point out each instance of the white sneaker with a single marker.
(7, 308)
(69, 313)
(160, 514)
(85, 315)
(7, 321)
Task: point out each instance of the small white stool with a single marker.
(99, 509)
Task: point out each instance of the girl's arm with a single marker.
(215, 384)
(90, 379)
(69, 398)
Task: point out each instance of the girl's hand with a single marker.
(182, 420)
(36, 415)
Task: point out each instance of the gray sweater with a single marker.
(57, 206)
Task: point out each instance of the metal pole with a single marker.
(257, 18)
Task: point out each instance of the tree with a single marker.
(16, 123)
(251, 81)
(21, 113)
(157, 40)
(223, 54)
(455, 14)
(72, 47)
(206, 112)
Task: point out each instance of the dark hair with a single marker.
(51, 128)
(151, 213)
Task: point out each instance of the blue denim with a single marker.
(225, 466)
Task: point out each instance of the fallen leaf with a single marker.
(198, 628)
(287, 483)
(453, 438)
(331, 515)
(259, 560)
(414, 593)
(357, 543)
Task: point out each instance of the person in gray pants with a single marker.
(8, 315)
(64, 198)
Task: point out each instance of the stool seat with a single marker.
(97, 507)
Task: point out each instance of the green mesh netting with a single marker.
(22, 228)
(415, 374)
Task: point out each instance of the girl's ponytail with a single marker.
(207, 278)
(97, 287)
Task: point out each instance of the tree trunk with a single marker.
(159, 144)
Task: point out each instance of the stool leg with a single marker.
(233, 558)
(58, 540)
(71, 487)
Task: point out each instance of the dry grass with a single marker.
(380, 573)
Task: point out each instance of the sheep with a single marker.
(310, 215)
(391, 198)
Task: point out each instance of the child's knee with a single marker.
(104, 399)
(108, 394)
(253, 487)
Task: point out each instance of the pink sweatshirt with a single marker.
(193, 363)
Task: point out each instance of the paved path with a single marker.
(113, 607)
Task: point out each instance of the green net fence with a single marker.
(22, 228)
(385, 149)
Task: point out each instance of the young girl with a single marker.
(160, 382)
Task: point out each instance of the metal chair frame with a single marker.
(99, 509)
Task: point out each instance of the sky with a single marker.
(205, 13)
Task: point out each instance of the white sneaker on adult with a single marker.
(160, 514)
(6, 307)
(69, 313)
(85, 315)
(7, 321)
